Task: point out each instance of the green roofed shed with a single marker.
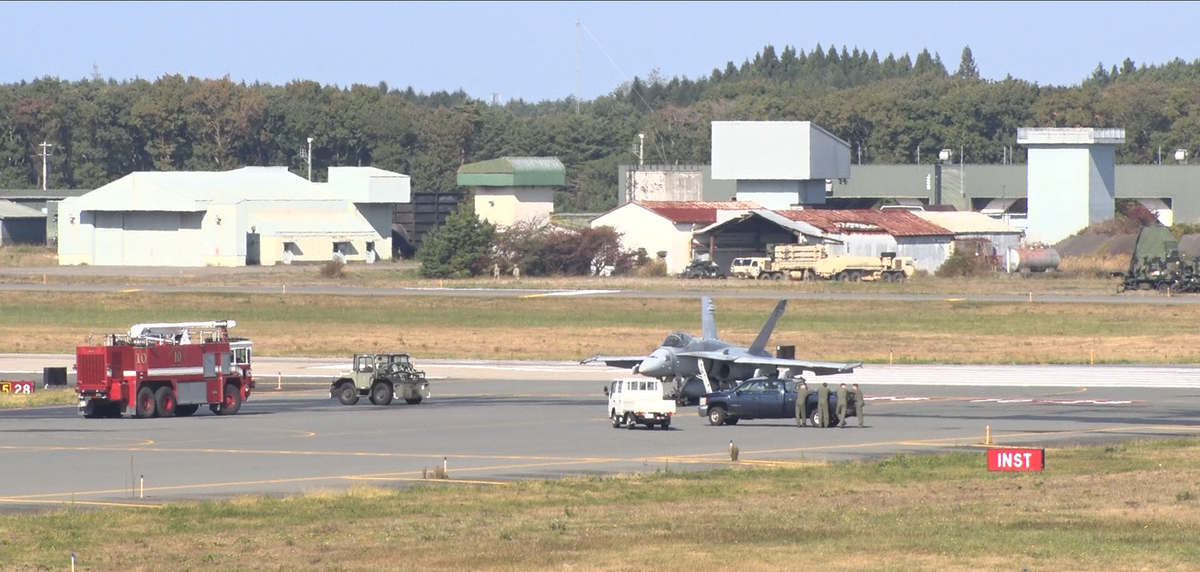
(514, 172)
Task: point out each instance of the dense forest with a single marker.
(889, 109)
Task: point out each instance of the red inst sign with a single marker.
(19, 387)
(1016, 459)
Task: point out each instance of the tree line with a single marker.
(890, 109)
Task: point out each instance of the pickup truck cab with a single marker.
(765, 398)
(638, 401)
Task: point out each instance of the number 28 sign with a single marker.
(21, 387)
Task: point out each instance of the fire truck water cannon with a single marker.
(164, 370)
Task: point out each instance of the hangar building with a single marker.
(778, 164)
(509, 190)
(664, 228)
(248, 216)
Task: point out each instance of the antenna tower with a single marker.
(577, 47)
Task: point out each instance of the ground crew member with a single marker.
(823, 405)
(516, 272)
(496, 271)
(843, 397)
(802, 405)
(858, 404)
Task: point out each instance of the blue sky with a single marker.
(528, 50)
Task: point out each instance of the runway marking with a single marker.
(570, 293)
(895, 398)
(1057, 401)
(68, 503)
(129, 291)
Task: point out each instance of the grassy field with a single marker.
(574, 328)
(1133, 506)
(40, 397)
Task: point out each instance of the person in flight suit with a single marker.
(843, 397)
(858, 404)
(823, 405)
(802, 405)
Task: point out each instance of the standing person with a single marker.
(843, 397)
(516, 272)
(858, 405)
(496, 271)
(823, 405)
(802, 405)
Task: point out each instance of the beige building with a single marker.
(248, 216)
(664, 228)
(509, 190)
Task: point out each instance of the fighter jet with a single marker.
(702, 365)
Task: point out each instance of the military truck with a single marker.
(381, 377)
(1157, 265)
(813, 262)
(702, 269)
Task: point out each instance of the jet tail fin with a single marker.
(708, 323)
(764, 336)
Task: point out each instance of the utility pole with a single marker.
(45, 169)
(641, 147)
(309, 157)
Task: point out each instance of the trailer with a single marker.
(164, 370)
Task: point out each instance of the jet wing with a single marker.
(625, 362)
(817, 367)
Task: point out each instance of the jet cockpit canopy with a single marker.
(677, 340)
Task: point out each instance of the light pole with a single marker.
(45, 155)
(309, 157)
(641, 147)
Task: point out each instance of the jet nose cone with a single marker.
(658, 364)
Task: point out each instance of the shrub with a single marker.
(334, 269)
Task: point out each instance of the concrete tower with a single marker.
(1072, 181)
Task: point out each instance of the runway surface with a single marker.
(496, 422)
(766, 292)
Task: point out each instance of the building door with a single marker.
(253, 249)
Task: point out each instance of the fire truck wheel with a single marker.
(232, 400)
(186, 410)
(413, 400)
(145, 403)
(381, 393)
(164, 398)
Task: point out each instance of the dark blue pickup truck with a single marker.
(766, 398)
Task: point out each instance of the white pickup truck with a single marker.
(634, 401)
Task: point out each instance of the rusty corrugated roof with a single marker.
(866, 221)
(695, 212)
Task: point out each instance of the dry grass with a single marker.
(1094, 266)
(575, 328)
(1122, 507)
(28, 255)
(40, 397)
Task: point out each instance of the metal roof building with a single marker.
(20, 224)
(778, 164)
(252, 215)
(664, 228)
(509, 190)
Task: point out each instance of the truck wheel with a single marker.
(91, 409)
(716, 416)
(841, 277)
(145, 403)
(164, 399)
(666, 425)
(815, 417)
(731, 420)
(413, 400)
(347, 393)
(186, 410)
(855, 276)
(231, 402)
(777, 276)
(899, 277)
(630, 421)
(381, 393)
(616, 419)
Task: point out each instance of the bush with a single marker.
(334, 269)
(656, 267)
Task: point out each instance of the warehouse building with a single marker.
(664, 228)
(20, 224)
(248, 216)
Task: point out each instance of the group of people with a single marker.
(843, 402)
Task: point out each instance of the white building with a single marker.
(664, 228)
(1071, 178)
(252, 215)
(778, 164)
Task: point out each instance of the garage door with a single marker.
(161, 239)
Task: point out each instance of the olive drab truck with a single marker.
(164, 370)
(381, 377)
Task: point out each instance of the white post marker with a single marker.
(142, 486)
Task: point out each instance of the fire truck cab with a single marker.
(163, 370)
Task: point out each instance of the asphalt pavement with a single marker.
(495, 422)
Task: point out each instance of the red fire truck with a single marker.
(162, 370)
